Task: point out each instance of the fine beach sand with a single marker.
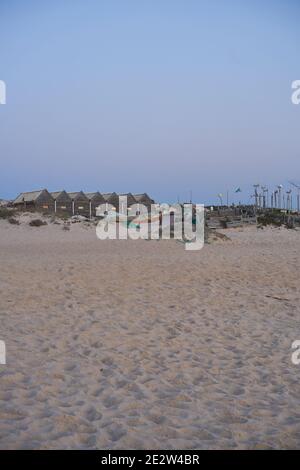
(141, 344)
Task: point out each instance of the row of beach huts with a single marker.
(75, 203)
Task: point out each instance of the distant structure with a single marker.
(111, 198)
(76, 203)
(62, 202)
(143, 199)
(80, 204)
(35, 200)
(297, 186)
(130, 201)
(95, 200)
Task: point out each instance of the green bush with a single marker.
(4, 213)
(270, 219)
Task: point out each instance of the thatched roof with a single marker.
(30, 196)
(108, 196)
(95, 195)
(57, 194)
(76, 195)
(130, 198)
(142, 198)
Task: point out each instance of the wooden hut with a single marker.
(35, 201)
(130, 201)
(62, 203)
(95, 200)
(80, 204)
(144, 199)
(111, 198)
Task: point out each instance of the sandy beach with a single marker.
(141, 344)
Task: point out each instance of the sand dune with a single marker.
(141, 344)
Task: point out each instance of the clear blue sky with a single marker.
(163, 96)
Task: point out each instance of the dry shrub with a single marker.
(13, 221)
(37, 223)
